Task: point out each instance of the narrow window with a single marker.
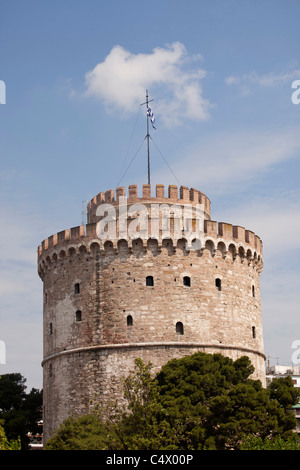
(50, 329)
(50, 370)
(129, 320)
(78, 315)
(253, 332)
(77, 288)
(149, 281)
(218, 284)
(253, 291)
(187, 281)
(179, 328)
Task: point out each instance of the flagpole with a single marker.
(148, 137)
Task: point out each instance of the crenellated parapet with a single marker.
(175, 195)
(221, 237)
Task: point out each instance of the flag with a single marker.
(151, 115)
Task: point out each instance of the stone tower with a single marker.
(147, 276)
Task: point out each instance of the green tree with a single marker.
(218, 404)
(283, 391)
(85, 432)
(143, 425)
(19, 411)
(12, 391)
(5, 444)
(203, 401)
(138, 425)
(32, 410)
(276, 443)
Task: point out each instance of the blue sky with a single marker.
(220, 74)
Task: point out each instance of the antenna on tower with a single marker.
(149, 114)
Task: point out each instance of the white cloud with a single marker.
(267, 80)
(232, 80)
(121, 80)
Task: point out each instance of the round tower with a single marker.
(147, 276)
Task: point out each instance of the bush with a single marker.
(86, 432)
(276, 443)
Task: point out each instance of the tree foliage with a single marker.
(218, 404)
(86, 432)
(19, 411)
(275, 443)
(5, 444)
(202, 401)
(144, 424)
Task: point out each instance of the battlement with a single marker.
(214, 236)
(183, 195)
(225, 237)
